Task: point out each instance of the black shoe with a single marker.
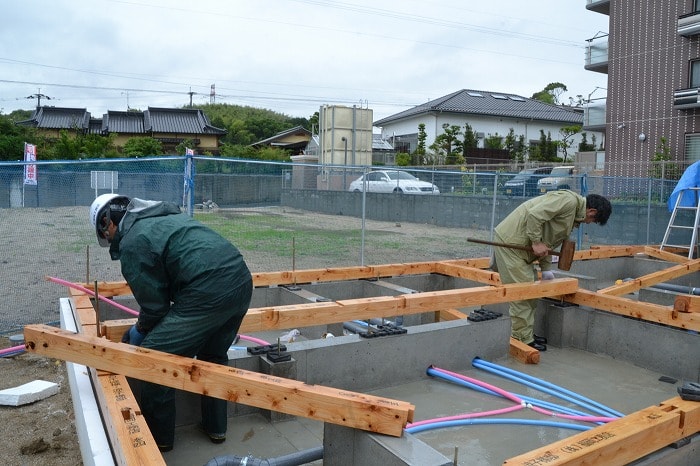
(540, 340)
(215, 438)
(537, 346)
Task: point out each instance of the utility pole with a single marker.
(127, 100)
(191, 94)
(38, 97)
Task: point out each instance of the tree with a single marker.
(13, 137)
(550, 94)
(422, 137)
(403, 159)
(184, 145)
(567, 138)
(142, 147)
(515, 145)
(493, 141)
(660, 166)
(313, 123)
(448, 143)
(545, 150)
(470, 140)
(584, 145)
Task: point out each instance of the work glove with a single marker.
(548, 275)
(133, 336)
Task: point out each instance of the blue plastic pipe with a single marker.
(545, 387)
(527, 399)
(491, 421)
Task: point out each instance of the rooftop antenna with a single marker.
(38, 97)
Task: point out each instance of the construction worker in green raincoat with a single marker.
(541, 223)
(193, 288)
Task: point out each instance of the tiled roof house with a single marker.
(487, 112)
(168, 125)
(294, 139)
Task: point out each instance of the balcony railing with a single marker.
(597, 55)
(686, 98)
(594, 116)
(689, 25)
(599, 6)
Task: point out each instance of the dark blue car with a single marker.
(525, 182)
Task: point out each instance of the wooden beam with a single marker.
(131, 440)
(607, 252)
(665, 255)
(622, 441)
(474, 274)
(292, 277)
(687, 303)
(310, 314)
(464, 297)
(653, 278)
(637, 309)
(450, 314)
(477, 263)
(523, 353)
(342, 407)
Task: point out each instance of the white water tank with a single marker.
(345, 135)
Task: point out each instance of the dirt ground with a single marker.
(43, 433)
(40, 433)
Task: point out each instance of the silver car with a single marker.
(559, 178)
(392, 181)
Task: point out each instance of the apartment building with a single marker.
(651, 55)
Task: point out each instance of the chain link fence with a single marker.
(46, 231)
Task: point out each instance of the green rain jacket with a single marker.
(169, 259)
(548, 219)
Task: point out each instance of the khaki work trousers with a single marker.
(513, 267)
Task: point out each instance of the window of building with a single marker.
(695, 73)
(697, 6)
(692, 147)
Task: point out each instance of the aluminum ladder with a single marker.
(673, 222)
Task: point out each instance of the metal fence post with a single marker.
(188, 189)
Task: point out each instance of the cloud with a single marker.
(289, 56)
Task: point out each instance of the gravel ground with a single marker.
(59, 242)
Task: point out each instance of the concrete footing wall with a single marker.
(366, 364)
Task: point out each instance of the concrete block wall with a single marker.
(630, 223)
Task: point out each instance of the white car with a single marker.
(392, 181)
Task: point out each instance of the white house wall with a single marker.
(482, 124)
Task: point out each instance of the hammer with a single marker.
(566, 252)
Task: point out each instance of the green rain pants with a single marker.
(207, 332)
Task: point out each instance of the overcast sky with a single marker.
(290, 56)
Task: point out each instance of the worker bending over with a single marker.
(193, 288)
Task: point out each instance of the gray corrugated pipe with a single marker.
(679, 288)
(293, 459)
(354, 327)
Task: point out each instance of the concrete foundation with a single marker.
(588, 348)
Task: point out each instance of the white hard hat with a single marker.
(99, 209)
